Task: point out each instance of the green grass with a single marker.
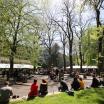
(88, 96)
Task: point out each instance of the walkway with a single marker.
(23, 89)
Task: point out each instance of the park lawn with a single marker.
(88, 96)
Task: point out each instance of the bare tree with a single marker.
(69, 24)
(63, 41)
(82, 25)
(47, 36)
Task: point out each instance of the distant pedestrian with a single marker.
(5, 93)
(34, 90)
(57, 74)
(15, 76)
(61, 75)
(3, 73)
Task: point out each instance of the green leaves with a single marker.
(89, 44)
(19, 30)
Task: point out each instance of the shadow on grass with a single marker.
(100, 101)
(100, 94)
(30, 98)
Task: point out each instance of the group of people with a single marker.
(6, 91)
(43, 90)
(79, 84)
(35, 90)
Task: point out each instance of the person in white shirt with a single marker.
(5, 93)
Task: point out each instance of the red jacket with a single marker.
(34, 90)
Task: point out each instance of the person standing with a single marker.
(61, 75)
(5, 93)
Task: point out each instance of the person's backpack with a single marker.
(71, 93)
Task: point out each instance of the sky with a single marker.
(55, 7)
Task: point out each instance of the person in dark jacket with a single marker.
(43, 88)
(63, 86)
(95, 82)
(75, 84)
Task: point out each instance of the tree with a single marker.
(89, 46)
(55, 53)
(63, 40)
(80, 32)
(17, 20)
(97, 6)
(69, 24)
(48, 36)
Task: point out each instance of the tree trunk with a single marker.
(100, 58)
(14, 45)
(70, 57)
(50, 59)
(80, 55)
(77, 58)
(11, 65)
(64, 56)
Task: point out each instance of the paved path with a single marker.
(24, 88)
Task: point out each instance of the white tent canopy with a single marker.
(83, 67)
(16, 66)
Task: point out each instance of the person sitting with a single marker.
(75, 84)
(102, 81)
(43, 88)
(82, 84)
(5, 93)
(95, 82)
(34, 90)
(63, 86)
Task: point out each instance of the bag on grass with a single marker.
(70, 93)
